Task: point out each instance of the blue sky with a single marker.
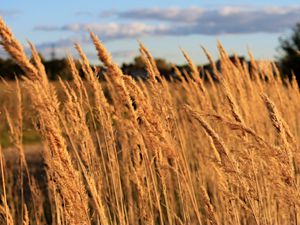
(164, 26)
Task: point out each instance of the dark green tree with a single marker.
(289, 49)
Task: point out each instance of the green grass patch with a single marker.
(30, 136)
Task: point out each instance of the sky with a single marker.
(164, 26)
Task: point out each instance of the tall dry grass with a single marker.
(121, 151)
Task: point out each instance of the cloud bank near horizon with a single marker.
(175, 21)
(194, 20)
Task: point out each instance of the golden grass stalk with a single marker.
(26, 217)
(15, 49)
(283, 132)
(4, 209)
(68, 180)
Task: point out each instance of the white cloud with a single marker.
(228, 19)
(173, 14)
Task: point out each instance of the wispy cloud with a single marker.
(46, 28)
(110, 30)
(9, 13)
(84, 13)
(104, 31)
(60, 47)
(124, 53)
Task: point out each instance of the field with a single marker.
(221, 150)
